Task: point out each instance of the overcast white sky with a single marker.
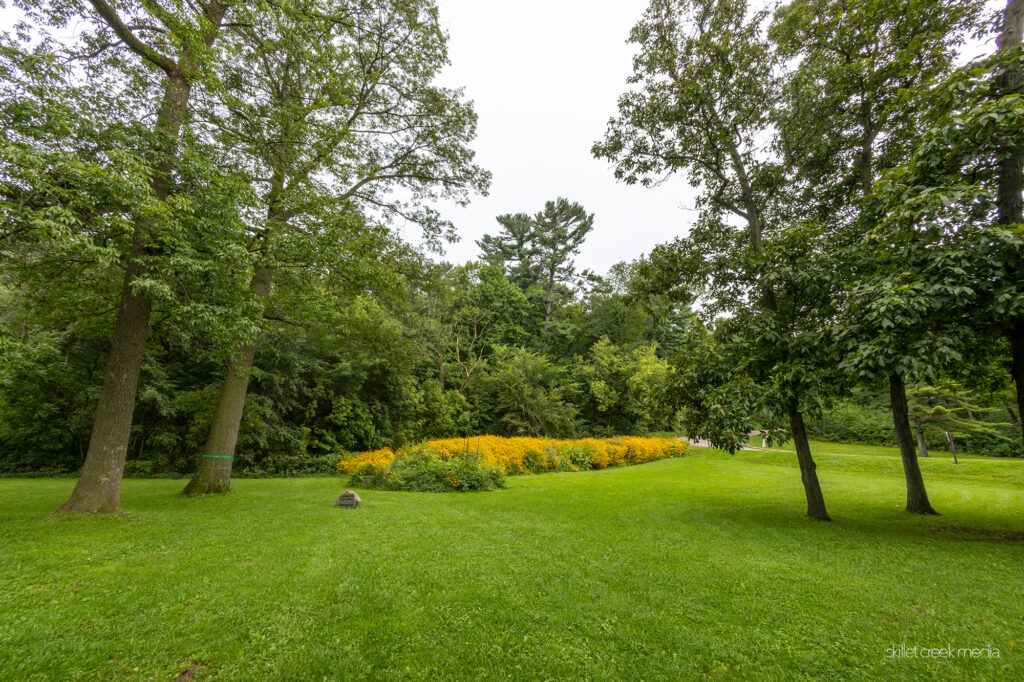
(545, 77)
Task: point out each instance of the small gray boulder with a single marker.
(348, 500)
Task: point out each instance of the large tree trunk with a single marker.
(99, 486)
(214, 475)
(917, 498)
(1011, 183)
(922, 446)
(808, 470)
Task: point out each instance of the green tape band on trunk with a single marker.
(219, 456)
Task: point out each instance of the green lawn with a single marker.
(680, 569)
(822, 447)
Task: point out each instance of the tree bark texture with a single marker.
(917, 497)
(1016, 336)
(1011, 183)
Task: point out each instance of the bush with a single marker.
(1006, 443)
(421, 470)
(290, 465)
(532, 455)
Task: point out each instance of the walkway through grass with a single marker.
(674, 570)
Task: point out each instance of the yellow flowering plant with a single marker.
(521, 455)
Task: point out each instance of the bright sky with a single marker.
(545, 77)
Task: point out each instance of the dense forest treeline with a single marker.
(454, 351)
(202, 271)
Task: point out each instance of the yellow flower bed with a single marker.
(534, 455)
(380, 458)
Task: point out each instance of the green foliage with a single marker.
(943, 199)
(978, 429)
(46, 401)
(421, 470)
(536, 253)
(718, 403)
(868, 64)
(468, 311)
(626, 391)
(525, 394)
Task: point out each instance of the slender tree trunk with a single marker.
(214, 475)
(922, 446)
(1016, 336)
(1011, 183)
(98, 489)
(217, 458)
(548, 302)
(808, 470)
(917, 498)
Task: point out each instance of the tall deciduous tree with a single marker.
(707, 79)
(853, 106)
(171, 41)
(333, 104)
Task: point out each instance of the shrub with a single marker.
(523, 455)
(284, 464)
(421, 470)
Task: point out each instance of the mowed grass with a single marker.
(698, 567)
(824, 447)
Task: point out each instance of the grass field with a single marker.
(691, 568)
(822, 447)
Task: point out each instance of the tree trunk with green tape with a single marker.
(214, 475)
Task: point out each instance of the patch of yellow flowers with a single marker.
(535, 455)
(378, 458)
